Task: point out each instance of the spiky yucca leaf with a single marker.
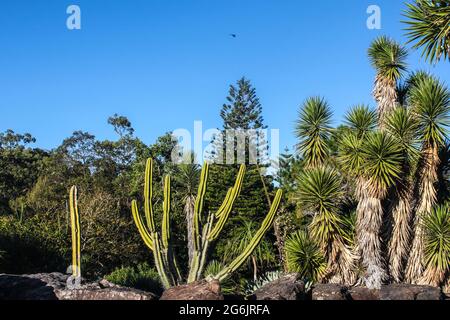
(388, 58)
(304, 256)
(361, 119)
(430, 100)
(437, 246)
(429, 28)
(403, 125)
(383, 156)
(351, 153)
(313, 130)
(320, 192)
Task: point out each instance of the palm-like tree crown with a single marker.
(430, 100)
(382, 161)
(402, 124)
(388, 58)
(304, 256)
(361, 119)
(429, 27)
(313, 130)
(437, 245)
(319, 190)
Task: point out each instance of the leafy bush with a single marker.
(142, 277)
(32, 246)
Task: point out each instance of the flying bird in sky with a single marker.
(233, 35)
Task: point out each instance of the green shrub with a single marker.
(142, 277)
(304, 256)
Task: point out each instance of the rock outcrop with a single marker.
(388, 292)
(288, 287)
(202, 290)
(53, 286)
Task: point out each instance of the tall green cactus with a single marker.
(76, 236)
(206, 229)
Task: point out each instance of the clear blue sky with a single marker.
(166, 63)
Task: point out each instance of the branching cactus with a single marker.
(204, 234)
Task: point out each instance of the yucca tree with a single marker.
(375, 161)
(388, 58)
(361, 119)
(429, 28)
(437, 247)
(188, 175)
(430, 102)
(320, 193)
(403, 126)
(313, 129)
(304, 256)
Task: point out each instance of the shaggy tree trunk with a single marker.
(189, 214)
(368, 226)
(341, 263)
(386, 96)
(400, 241)
(426, 192)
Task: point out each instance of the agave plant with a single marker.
(320, 192)
(303, 256)
(313, 129)
(429, 28)
(437, 246)
(388, 59)
(430, 101)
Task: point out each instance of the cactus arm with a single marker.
(148, 195)
(76, 236)
(159, 261)
(166, 213)
(205, 246)
(145, 235)
(237, 188)
(236, 263)
(198, 206)
(224, 215)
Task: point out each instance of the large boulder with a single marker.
(409, 292)
(201, 290)
(288, 287)
(387, 292)
(53, 286)
(329, 291)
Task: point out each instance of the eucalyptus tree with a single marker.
(429, 28)
(388, 58)
(430, 102)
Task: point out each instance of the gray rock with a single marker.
(329, 291)
(202, 290)
(288, 287)
(52, 286)
(409, 292)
